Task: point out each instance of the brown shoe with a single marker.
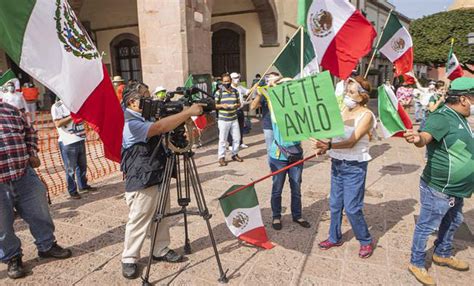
(237, 158)
(451, 262)
(222, 162)
(421, 275)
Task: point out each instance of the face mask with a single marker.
(349, 102)
(226, 85)
(472, 110)
(11, 89)
(236, 81)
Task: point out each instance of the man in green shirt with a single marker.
(447, 179)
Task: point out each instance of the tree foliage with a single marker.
(432, 37)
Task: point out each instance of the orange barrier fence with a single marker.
(52, 171)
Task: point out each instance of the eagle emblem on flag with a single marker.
(398, 45)
(321, 23)
(240, 220)
(72, 34)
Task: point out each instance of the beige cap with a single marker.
(117, 78)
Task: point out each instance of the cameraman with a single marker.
(142, 175)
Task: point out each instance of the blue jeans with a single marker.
(347, 192)
(438, 210)
(75, 163)
(294, 175)
(28, 196)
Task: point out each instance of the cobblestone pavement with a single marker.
(94, 228)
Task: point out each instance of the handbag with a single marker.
(293, 153)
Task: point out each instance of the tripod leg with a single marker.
(159, 213)
(187, 243)
(203, 210)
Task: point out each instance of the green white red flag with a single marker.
(46, 40)
(243, 216)
(393, 118)
(339, 34)
(396, 44)
(453, 68)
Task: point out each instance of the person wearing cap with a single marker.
(118, 86)
(243, 93)
(159, 93)
(447, 179)
(349, 162)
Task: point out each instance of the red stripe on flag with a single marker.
(352, 42)
(458, 72)
(257, 236)
(103, 113)
(404, 63)
(405, 119)
(200, 121)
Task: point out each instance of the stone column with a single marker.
(175, 40)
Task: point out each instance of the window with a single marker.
(127, 60)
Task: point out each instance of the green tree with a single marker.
(432, 37)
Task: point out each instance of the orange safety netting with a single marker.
(51, 171)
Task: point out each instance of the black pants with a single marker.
(241, 120)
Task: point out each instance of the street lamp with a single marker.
(470, 39)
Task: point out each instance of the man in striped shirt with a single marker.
(227, 102)
(21, 189)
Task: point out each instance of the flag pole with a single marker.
(377, 45)
(301, 52)
(273, 62)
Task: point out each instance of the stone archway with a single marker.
(267, 16)
(237, 48)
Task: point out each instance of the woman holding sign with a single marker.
(350, 157)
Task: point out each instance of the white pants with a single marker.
(142, 206)
(31, 108)
(224, 128)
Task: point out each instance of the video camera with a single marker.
(159, 108)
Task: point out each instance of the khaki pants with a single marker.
(142, 206)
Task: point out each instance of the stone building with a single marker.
(162, 42)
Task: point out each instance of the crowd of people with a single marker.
(446, 180)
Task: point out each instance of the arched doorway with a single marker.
(228, 49)
(125, 55)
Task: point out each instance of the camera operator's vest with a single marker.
(141, 171)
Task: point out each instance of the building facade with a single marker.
(162, 42)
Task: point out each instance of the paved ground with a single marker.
(94, 227)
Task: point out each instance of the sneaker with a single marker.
(15, 268)
(243, 146)
(237, 158)
(222, 162)
(88, 189)
(451, 262)
(229, 148)
(130, 270)
(366, 251)
(325, 245)
(55, 251)
(75, 196)
(170, 256)
(421, 275)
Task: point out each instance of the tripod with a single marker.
(191, 180)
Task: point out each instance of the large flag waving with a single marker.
(243, 217)
(396, 44)
(393, 117)
(339, 34)
(453, 68)
(47, 41)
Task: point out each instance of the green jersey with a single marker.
(450, 166)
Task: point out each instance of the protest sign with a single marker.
(306, 108)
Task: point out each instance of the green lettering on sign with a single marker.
(307, 108)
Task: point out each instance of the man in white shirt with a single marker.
(243, 92)
(72, 145)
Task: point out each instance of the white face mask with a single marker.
(11, 89)
(236, 81)
(349, 102)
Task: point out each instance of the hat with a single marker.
(462, 86)
(158, 89)
(234, 75)
(117, 78)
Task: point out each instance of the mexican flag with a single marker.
(339, 35)
(453, 68)
(289, 61)
(200, 121)
(396, 44)
(6, 77)
(243, 217)
(393, 117)
(46, 40)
